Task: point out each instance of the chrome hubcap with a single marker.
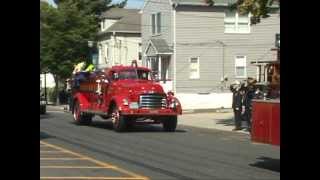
(76, 114)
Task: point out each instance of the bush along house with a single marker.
(198, 50)
(119, 38)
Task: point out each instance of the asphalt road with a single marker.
(71, 151)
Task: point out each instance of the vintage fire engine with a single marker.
(127, 94)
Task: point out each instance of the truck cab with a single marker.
(128, 95)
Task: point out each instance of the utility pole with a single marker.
(223, 59)
(45, 86)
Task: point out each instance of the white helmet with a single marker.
(236, 82)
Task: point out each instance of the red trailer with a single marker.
(266, 121)
(266, 111)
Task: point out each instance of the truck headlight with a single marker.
(125, 102)
(133, 105)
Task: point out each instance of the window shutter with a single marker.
(158, 23)
(153, 23)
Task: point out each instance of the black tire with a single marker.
(119, 121)
(104, 117)
(170, 124)
(80, 117)
(130, 123)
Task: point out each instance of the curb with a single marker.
(195, 111)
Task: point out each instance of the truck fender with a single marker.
(83, 101)
(179, 107)
(118, 100)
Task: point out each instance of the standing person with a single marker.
(236, 105)
(78, 73)
(246, 106)
(68, 94)
(247, 92)
(250, 94)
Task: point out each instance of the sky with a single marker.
(132, 4)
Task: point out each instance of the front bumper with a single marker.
(148, 112)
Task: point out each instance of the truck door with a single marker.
(98, 101)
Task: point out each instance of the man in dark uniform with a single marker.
(249, 93)
(236, 106)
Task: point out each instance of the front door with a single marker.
(160, 65)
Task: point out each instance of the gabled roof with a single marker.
(130, 23)
(129, 20)
(159, 46)
(118, 13)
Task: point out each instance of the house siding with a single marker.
(123, 52)
(151, 7)
(198, 29)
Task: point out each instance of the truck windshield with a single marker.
(135, 74)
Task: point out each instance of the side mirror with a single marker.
(170, 93)
(155, 76)
(115, 76)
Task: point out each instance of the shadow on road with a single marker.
(132, 129)
(230, 122)
(268, 163)
(45, 116)
(226, 122)
(44, 135)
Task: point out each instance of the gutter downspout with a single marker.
(174, 50)
(114, 48)
(223, 59)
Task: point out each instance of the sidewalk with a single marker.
(210, 119)
(222, 120)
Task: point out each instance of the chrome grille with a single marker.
(152, 101)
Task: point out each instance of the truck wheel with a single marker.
(170, 124)
(118, 120)
(79, 117)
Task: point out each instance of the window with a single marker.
(153, 23)
(194, 68)
(240, 65)
(156, 23)
(236, 23)
(140, 52)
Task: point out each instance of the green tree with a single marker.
(65, 32)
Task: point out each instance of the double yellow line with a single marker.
(101, 164)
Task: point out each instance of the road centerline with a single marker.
(102, 164)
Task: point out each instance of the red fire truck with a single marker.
(127, 94)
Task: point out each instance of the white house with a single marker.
(119, 37)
